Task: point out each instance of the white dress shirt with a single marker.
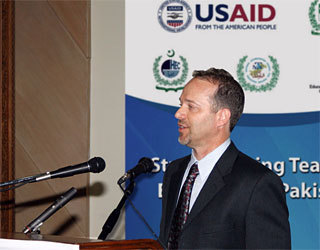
(205, 167)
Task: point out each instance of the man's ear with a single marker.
(223, 117)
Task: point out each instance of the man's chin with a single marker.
(183, 141)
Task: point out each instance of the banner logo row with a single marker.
(176, 16)
(256, 74)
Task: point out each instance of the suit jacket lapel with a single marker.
(215, 181)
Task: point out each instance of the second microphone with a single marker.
(145, 165)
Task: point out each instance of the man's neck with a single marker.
(201, 152)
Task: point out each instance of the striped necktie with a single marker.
(182, 210)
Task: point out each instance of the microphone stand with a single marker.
(27, 179)
(114, 216)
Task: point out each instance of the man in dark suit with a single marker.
(218, 197)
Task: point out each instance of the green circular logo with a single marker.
(258, 74)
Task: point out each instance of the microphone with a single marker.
(145, 165)
(59, 203)
(94, 165)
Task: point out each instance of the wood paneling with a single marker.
(75, 15)
(7, 113)
(52, 110)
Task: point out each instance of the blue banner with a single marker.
(286, 143)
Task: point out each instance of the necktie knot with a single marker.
(194, 171)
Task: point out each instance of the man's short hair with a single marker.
(229, 94)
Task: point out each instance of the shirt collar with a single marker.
(206, 164)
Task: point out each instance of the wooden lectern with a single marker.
(122, 244)
(88, 244)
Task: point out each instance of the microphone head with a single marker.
(96, 164)
(146, 165)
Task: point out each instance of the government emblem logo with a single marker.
(258, 74)
(174, 15)
(314, 17)
(170, 71)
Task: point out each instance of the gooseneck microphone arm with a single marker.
(59, 203)
(145, 165)
(114, 216)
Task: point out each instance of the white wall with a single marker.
(107, 126)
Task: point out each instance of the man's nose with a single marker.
(180, 114)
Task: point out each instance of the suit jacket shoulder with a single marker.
(177, 164)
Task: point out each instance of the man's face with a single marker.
(196, 119)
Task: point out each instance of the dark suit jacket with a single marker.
(241, 205)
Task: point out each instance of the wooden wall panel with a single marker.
(7, 113)
(52, 111)
(75, 15)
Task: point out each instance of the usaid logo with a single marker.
(224, 13)
(176, 15)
